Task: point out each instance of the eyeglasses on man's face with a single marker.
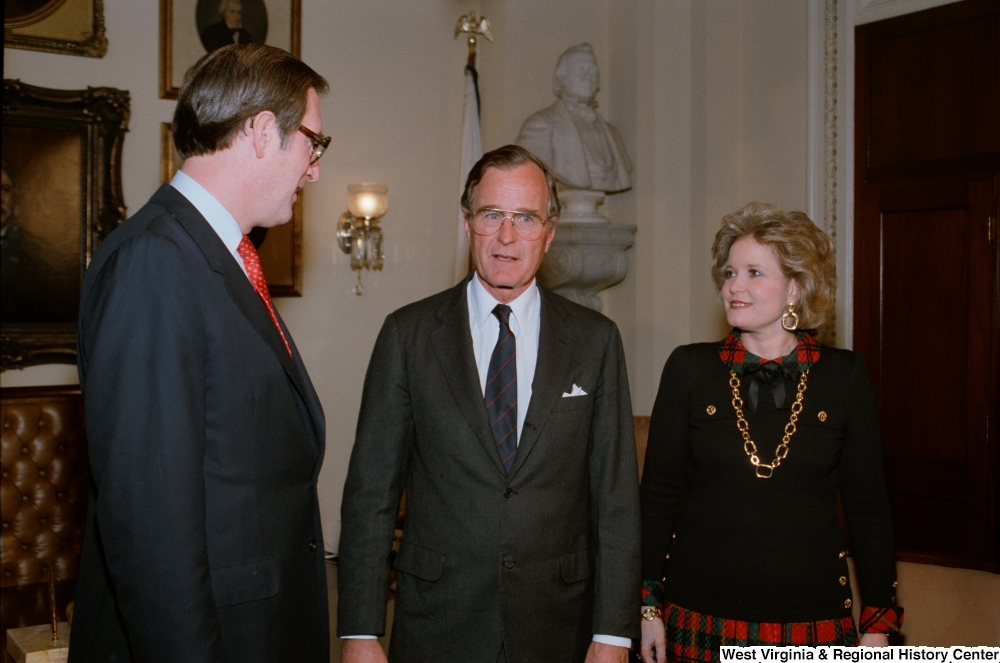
(488, 221)
(319, 143)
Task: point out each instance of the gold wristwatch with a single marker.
(651, 612)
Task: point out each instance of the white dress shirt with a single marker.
(222, 222)
(525, 323)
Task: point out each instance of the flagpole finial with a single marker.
(472, 25)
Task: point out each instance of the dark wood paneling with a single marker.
(932, 93)
(929, 526)
(927, 174)
(923, 288)
(906, 475)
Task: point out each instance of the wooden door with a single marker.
(926, 294)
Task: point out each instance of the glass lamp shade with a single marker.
(367, 201)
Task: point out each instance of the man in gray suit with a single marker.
(503, 411)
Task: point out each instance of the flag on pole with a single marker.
(472, 150)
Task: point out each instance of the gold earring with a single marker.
(790, 319)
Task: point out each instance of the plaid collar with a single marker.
(736, 356)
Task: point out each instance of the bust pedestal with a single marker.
(580, 206)
(585, 258)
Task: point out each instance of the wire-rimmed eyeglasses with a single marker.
(488, 221)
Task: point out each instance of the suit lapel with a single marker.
(237, 283)
(555, 352)
(310, 396)
(453, 346)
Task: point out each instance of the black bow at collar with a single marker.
(778, 376)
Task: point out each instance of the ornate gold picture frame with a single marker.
(189, 28)
(73, 27)
(280, 247)
(62, 196)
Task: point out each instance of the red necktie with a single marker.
(252, 264)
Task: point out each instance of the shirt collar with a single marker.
(222, 222)
(483, 304)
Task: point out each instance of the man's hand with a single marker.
(362, 651)
(602, 653)
(654, 636)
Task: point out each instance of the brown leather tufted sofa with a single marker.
(43, 500)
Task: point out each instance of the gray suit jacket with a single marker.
(538, 560)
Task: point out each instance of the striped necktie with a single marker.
(501, 389)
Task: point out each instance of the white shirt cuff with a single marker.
(613, 640)
(359, 637)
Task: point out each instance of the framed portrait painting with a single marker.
(73, 27)
(279, 248)
(62, 195)
(191, 28)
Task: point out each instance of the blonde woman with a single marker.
(749, 443)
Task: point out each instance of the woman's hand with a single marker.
(867, 639)
(654, 637)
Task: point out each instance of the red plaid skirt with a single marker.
(695, 637)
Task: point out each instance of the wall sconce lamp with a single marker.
(357, 230)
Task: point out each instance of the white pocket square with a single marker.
(577, 391)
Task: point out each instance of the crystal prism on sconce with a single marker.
(358, 232)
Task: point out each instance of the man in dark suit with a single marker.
(229, 29)
(205, 435)
(37, 283)
(503, 411)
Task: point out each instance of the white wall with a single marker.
(516, 69)
(711, 100)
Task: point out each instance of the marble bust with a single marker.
(570, 137)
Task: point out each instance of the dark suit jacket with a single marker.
(539, 560)
(219, 34)
(37, 283)
(205, 438)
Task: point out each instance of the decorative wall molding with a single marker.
(830, 110)
(847, 14)
(825, 181)
(868, 11)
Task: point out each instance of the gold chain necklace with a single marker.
(748, 444)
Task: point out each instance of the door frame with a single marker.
(830, 138)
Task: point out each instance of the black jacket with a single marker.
(205, 439)
(765, 550)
